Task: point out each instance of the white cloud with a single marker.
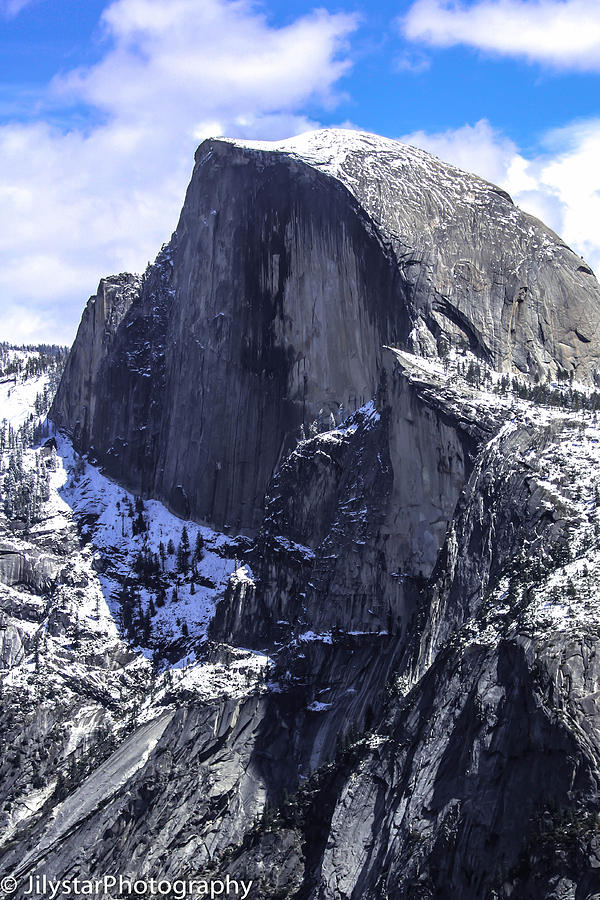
(11, 8)
(560, 185)
(476, 148)
(573, 175)
(215, 56)
(560, 33)
(80, 204)
(411, 62)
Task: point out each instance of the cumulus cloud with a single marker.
(561, 33)
(570, 171)
(560, 185)
(81, 203)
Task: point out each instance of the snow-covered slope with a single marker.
(17, 398)
(104, 509)
(74, 679)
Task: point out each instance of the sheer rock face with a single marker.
(478, 271)
(97, 331)
(355, 519)
(292, 265)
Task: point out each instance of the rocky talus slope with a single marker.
(382, 373)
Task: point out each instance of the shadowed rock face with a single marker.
(355, 519)
(97, 332)
(292, 265)
(277, 299)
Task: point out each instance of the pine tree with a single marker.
(76, 634)
(183, 552)
(139, 524)
(146, 623)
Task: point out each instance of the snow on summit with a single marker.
(329, 148)
(347, 154)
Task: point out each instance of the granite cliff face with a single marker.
(291, 267)
(362, 357)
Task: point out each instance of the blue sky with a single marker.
(102, 104)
